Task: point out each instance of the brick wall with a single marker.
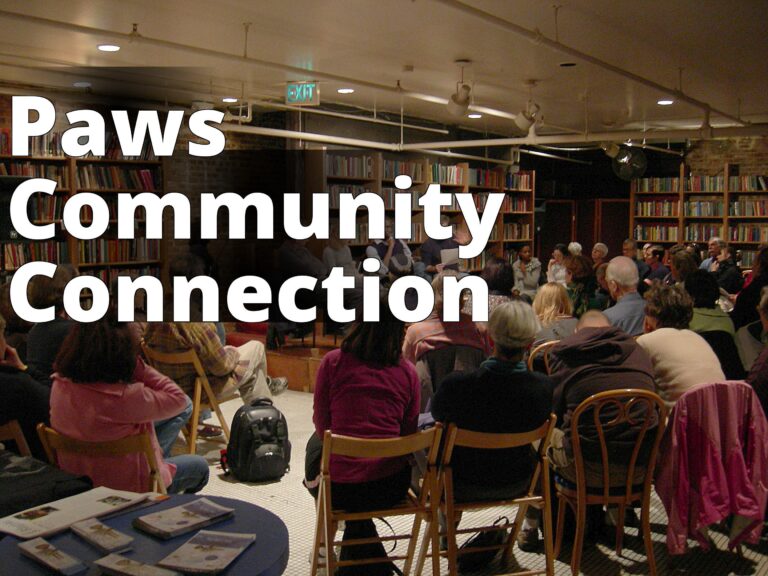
(708, 158)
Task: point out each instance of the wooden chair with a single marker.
(625, 407)
(12, 431)
(199, 402)
(543, 351)
(55, 442)
(419, 506)
(538, 494)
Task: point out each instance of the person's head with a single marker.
(12, 321)
(646, 248)
(702, 288)
(44, 292)
(599, 252)
(762, 308)
(550, 302)
(629, 248)
(654, 254)
(102, 351)
(578, 267)
(574, 249)
(593, 319)
(525, 254)
(379, 343)
(389, 227)
(667, 307)
(621, 276)
(445, 220)
(671, 253)
(600, 275)
(682, 264)
(437, 288)
(715, 246)
(760, 265)
(499, 276)
(512, 326)
(559, 253)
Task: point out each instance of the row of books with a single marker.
(748, 258)
(46, 145)
(16, 255)
(106, 251)
(704, 208)
(749, 206)
(349, 166)
(519, 181)
(452, 175)
(515, 204)
(658, 185)
(335, 190)
(747, 183)
(418, 235)
(108, 275)
(394, 168)
(476, 263)
(57, 172)
(656, 233)
(702, 232)
(657, 208)
(482, 177)
(516, 231)
(95, 177)
(42, 207)
(704, 184)
(748, 233)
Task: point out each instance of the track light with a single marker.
(459, 102)
(611, 149)
(527, 117)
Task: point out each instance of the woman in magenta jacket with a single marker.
(103, 391)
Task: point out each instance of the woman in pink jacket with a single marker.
(103, 391)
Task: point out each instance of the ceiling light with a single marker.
(229, 100)
(82, 84)
(665, 102)
(459, 102)
(346, 90)
(474, 115)
(108, 47)
(525, 120)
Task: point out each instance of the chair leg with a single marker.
(578, 541)
(214, 403)
(415, 531)
(519, 517)
(561, 505)
(319, 530)
(194, 419)
(620, 529)
(546, 518)
(450, 528)
(645, 523)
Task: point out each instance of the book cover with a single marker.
(208, 552)
(181, 519)
(117, 565)
(51, 557)
(101, 536)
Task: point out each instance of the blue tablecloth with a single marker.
(267, 556)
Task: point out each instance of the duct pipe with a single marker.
(538, 38)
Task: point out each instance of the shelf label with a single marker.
(302, 93)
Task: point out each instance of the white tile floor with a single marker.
(291, 502)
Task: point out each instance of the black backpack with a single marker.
(258, 447)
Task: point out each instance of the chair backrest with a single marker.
(55, 442)
(641, 411)
(12, 431)
(183, 357)
(435, 365)
(724, 346)
(542, 350)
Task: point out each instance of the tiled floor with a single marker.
(291, 502)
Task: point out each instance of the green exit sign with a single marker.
(302, 94)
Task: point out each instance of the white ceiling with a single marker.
(721, 47)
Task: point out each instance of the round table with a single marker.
(267, 556)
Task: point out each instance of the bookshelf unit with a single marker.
(335, 171)
(106, 257)
(655, 214)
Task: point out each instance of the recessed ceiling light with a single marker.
(346, 90)
(108, 47)
(567, 64)
(474, 115)
(229, 100)
(665, 102)
(82, 84)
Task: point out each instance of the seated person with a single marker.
(599, 255)
(501, 396)
(654, 257)
(103, 391)
(681, 358)
(580, 282)
(16, 329)
(745, 310)
(434, 334)
(22, 397)
(707, 315)
(554, 311)
(556, 266)
(758, 374)
(601, 299)
(431, 249)
(629, 311)
(527, 272)
(384, 250)
(367, 376)
(498, 275)
(726, 271)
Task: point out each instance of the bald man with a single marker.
(629, 311)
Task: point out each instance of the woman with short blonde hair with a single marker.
(555, 312)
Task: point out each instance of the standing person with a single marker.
(103, 391)
(527, 273)
(599, 255)
(365, 389)
(629, 311)
(556, 267)
(431, 249)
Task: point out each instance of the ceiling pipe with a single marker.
(537, 37)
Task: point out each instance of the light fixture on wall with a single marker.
(458, 103)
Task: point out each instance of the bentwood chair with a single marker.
(542, 350)
(54, 443)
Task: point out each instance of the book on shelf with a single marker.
(747, 183)
(747, 258)
(61, 514)
(117, 565)
(703, 208)
(749, 206)
(663, 185)
(515, 204)
(105, 251)
(113, 151)
(394, 168)
(46, 554)
(182, 519)
(349, 166)
(57, 172)
(483, 177)
(208, 552)
(519, 181)
(335, 190)
(516, 231)
(656, 233)
(656, 208)
(704, 184)
(46, 145)
(106, 177)
(702, 232)
(748, 233)
(450, 175)
(102, 537)
(16, 255)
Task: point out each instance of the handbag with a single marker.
(475, 560)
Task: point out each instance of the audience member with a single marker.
(714, 247)
(629, 311)
(599, 255)
(16, 329)
(707, 315)
(431, 250)
(680, 266)
(337, 254)
(556, 267)
(629, 249)
(670, 279)
(555, 313)
(580, 282)
(574, 249)
(98, 367)
(602, 297)
(368, 390)
(693, 249)
(383, 250)
(22, 397)
(497, 274)
(654, 257)
(433, 334)
(758, 374)
(681, 358)
(726, 271)
(745, 310)
(527, 272)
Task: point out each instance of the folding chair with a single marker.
(189, 358)
(534, 497)
(12, 431)
(55, 442)
(328, 517)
